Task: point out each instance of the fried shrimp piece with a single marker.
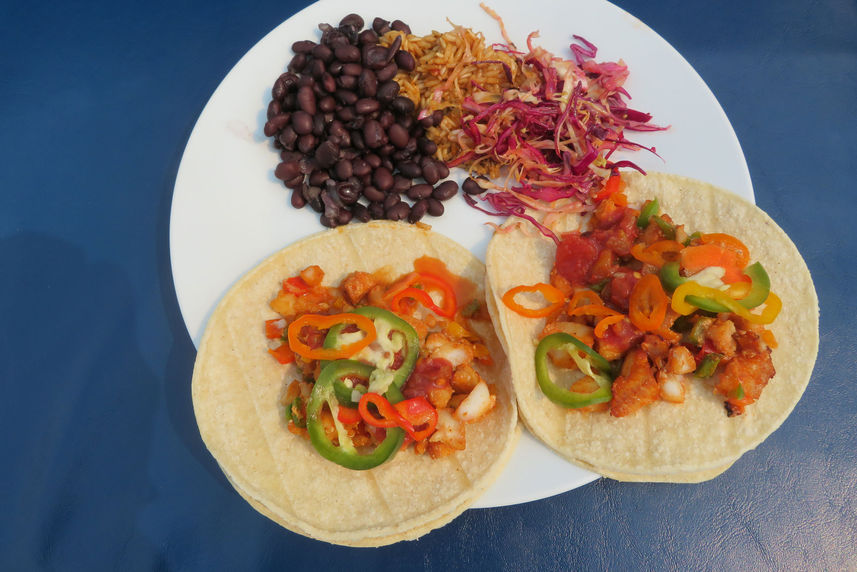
(356, 285)
(744, 378)
(456, 352)
(636, 387)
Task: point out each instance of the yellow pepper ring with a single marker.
(773, 304)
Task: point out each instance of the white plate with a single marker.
(229, 212)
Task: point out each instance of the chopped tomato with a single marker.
(575, 257)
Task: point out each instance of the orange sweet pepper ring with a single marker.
(656, 252)
(550, 293)
(323, 322)
(647, 306)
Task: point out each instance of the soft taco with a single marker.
(351, 386)
(662, 336)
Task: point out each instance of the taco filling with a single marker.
(386, 362)
(638, 305)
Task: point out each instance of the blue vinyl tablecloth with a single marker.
(102, 463)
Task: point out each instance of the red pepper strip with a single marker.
(390, 417)
(295, 285)
(420, 296)
(283, 354)
(418, 411)
(274, 329)
(550, 293)
(348, 415)
(324, 322)
(405, 289)
(613, 185)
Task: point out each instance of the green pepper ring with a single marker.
(412, 341)
(759, 289)
(565, 397)
(322, 392)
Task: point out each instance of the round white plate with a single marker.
(229, 212)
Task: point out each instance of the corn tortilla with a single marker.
(236, 394)
(693, 441)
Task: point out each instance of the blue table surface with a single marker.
(103, 466)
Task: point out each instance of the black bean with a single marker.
(283, 85)
(380, 26)
(303, 46)
(306, 100)
(348, 192)
(275, 124)
(287, 170)
(408, 121)
(398, 135)
(346, 114)
(295, 182)
(445, 191)
(386, 118)
(348, 82)
(360, 212)
(366, 105)
(373, 194)
(400, 184)
(400, 26)
(308, 164)
(442, 169)
(357, 140)
(360, 167)
(345, 96)
(289, 101)
(421, 191)
(387, 91)
(344, 217)
(437, 117)
(298, 200)
(435, 207)
(399, 211)
(323, 53)
(317, 178)
(292, 156)
(348, 154)
(317, 69)
(410, 169)
(430, 173)
(353, 20)
(306, 143)
(305, 80)
(335, 68)
(402, 105)
(347, 54)
(327, 221)
(373, 134)
(382, 178)
(288, 137)
(317, 125)
(274, 108)
(387, 72)
(391, 200)
(418, 211)
(426, 146)
(405, 61)
(367, 83)
(326, 104)
(376, 210)
(471, 187)
(385, 151)
(328, 82)
(342, 170)
(373, 160)
(302, 122)
(352, 69)
(386, 163)
(297, 63)
(367, 37)
(374, 57)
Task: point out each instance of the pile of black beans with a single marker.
(351, 146)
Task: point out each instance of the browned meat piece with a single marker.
(356, 285)
(744, 378)
(636, 387)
